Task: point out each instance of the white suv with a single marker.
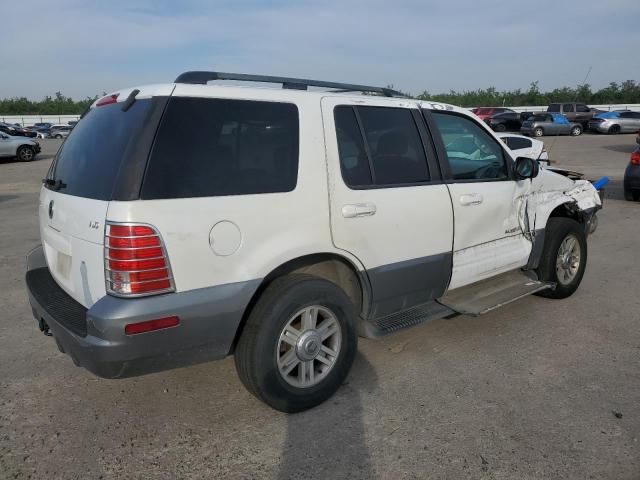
(279, 224)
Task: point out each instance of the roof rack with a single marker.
(201, 78)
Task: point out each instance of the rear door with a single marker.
(75, 198)
(489, 205)
(629, 122)
(388, 206)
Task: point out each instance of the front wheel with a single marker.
(58, 136)
(538, 132)
(25, 153)
(501, 127)
(298, 344)
(576, 131)
(564, 256)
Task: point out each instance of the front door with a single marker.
(388, 206)
(489, 205)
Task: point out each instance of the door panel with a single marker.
(489, 206)
(402, 234)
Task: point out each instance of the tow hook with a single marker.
(44, 328)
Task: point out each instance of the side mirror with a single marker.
(526, 167)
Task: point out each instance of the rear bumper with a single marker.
(95, 338)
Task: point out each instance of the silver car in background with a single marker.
(60, 131)
(622, 121)
(23, 148)
(547, 123)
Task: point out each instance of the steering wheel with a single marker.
(492, 170)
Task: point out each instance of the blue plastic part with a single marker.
(559, 118)
(608, 115)
(601, 182)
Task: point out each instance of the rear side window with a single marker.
(391, 152)
(88, 162)
(516, 143)
(213, 147)
(567, 108)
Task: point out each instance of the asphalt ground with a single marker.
(539, 389)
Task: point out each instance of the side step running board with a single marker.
(408, 318)
(486, 295)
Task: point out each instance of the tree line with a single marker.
(623, 93)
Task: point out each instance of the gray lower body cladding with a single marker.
(402, 285)
(209, 320)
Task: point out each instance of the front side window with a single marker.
(391, 152)
(213, 147)
(567, 108)
(582, 108)
(472, 153)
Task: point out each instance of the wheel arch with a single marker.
(336, 268)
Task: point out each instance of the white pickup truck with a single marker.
(278, 225)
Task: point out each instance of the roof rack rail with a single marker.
(202, 77)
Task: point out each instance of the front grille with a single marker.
(57, 303)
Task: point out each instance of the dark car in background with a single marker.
(486, 112)
(575, 112)
(632, 175)
(16, 131)
(507, 121)
(550, 124)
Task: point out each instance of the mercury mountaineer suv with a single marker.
(280, 224)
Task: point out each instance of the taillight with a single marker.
(135, 261)
(635, 157)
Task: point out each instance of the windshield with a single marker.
(88, 162)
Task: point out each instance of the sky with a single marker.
(84, 48)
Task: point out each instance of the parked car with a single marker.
(523, 146)
(24, 149)
(42, 125)
(485, 112)
(60, 131)
(550, 124)
(632, 175)
(15, 130)
(575, 112)
(131, 284)
(42, 132)
(615, 122)
(507, 121)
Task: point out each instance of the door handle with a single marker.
(471, 199)
(358, 210)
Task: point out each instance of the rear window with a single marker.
(516, 143)
(215, 147)
(88, 162)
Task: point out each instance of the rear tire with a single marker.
(274, 365)
(564, 257)
(538, 132)
(25, 153)
(500, 127)
(614, 130)
(57, 136)
(631, 195)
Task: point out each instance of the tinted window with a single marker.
(567, 108)
(473, 154)
(396, 149)
(516, 143)
(89, 160)
(582, 108)
(212, 147)
(540, 118)
(554, 107)
(626, 115)
(393, 146)
(353, 157)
